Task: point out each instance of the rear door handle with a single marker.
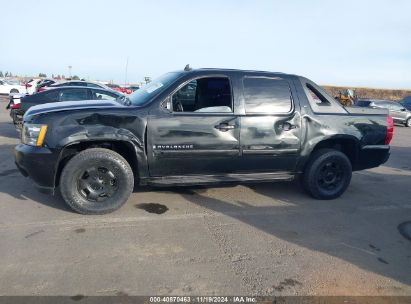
(224, 127)
(287, 126)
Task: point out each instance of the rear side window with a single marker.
(266, 95)
(73, 95)
(320, 101)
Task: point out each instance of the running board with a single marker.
(227, 178)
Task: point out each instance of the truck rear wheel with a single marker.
(96, 181)
(327, 174)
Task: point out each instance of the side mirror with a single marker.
(167, 104)
(403, 110)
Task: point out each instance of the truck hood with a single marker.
(71, 105)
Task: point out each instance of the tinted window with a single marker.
(73, 94)
(209, 94)
(51, 95)
(266, 95)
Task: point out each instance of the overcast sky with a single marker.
(355, 43)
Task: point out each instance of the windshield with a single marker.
(148, 91)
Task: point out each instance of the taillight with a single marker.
(390, 130)
(15, 106)
(28, 85)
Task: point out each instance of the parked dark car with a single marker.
(78, 83)
(43, 84)
(57, 95)
(201, 126)
(397, 110)
(406, 102)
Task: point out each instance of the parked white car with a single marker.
(11, 87)
(31, 86)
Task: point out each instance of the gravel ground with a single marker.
(259, 239)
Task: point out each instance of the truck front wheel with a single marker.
(327, 174)
(96, 181)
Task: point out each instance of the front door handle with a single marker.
(224, 127)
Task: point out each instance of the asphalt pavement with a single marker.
(258, 239)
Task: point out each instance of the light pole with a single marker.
(70, 67)
(125, 76)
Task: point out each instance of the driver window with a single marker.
(206, 95)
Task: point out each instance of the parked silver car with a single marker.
(398, 112)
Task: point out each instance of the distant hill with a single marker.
(371, 92)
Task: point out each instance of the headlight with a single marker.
(33, 134)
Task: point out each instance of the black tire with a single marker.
(327, 174)
(12, 91)
(408, 122)
(17, 120)
(96, 181)
(18, 125)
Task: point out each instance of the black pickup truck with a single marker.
(201, 126)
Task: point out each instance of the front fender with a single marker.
(73, 137)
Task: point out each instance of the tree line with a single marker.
(41, 75)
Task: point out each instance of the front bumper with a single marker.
(372, 156)
(38, 163)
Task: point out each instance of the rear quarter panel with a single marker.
(362, 125)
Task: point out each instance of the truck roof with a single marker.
(224, 70)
